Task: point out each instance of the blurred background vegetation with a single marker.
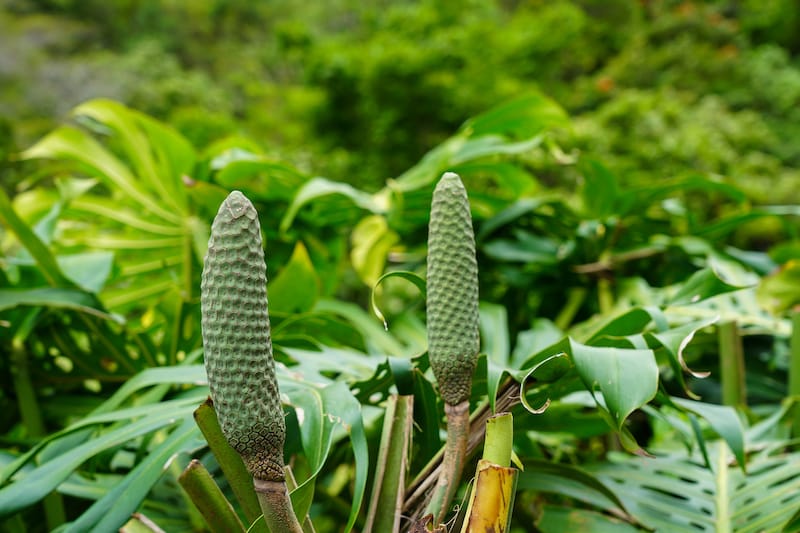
(358, 91)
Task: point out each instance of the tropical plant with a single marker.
(603, 307)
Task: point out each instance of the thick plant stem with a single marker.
(794, 370)
(453, 461)
(277, 506)
(731, 360)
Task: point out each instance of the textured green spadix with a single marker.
(236, 339)
(452, 302)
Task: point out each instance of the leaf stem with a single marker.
(731, 361)
(794, 370)
(455, 452)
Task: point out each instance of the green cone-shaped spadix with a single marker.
(452, 301)
(236, 339)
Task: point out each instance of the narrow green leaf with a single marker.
(44, 479)
(115, 508)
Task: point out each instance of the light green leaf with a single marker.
(75, 145)
(371, 241)
(780, 291)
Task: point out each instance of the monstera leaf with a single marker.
(677, 492)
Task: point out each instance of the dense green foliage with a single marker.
(358, 92)
(633, 187)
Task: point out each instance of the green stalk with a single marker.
(491, 501)
(208, 498)
(29, 410)
(231, 463)
(794, 370)
(453, 461)
(499, 439)
(731, 363)
(388, 489)
(575, 298)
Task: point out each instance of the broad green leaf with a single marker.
(723, 227)
(491, 145)
(89, 270)
(496, 344)
(261, 178)
(325, 411)
(525, 116)
(600, 189)
(542, 334)
(626, 323)
(675, 341)
(514, 181)
(296, 287)
(320, 187)
(344, 407)
(627, 379)
(376, 338)
(527, 248)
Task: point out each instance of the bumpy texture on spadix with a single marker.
(236, 339)
(452, 302)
